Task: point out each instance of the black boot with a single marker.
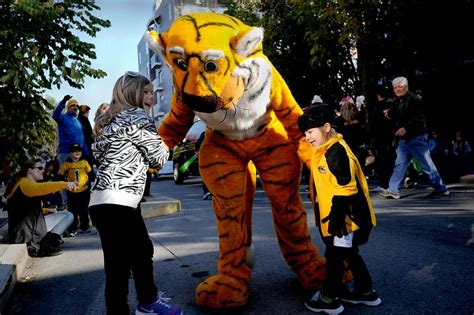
(52, 240)
(33, 249)
(47, 251)
(49, 245)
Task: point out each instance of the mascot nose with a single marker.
(203, 104)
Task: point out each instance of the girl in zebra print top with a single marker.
(126, 145)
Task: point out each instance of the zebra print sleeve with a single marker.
(146, 139)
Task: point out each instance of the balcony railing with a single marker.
(155, 62)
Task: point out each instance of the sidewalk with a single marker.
(14, 257)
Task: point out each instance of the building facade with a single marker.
(150, 64)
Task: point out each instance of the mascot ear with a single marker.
(157, 42)
(247, 41)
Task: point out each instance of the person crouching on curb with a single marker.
(26, 222)
(344, 213)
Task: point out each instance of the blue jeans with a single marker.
(58, 222)
(415, 147)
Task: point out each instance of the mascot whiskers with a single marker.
(221, 75)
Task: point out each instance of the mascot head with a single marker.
(203, 50)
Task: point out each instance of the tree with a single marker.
(312, 43)
(40, 48)
(283, 43)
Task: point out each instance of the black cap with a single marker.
(382, 90)
(75, 147)
(316, 116)
(85, 108)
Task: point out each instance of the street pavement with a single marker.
(420, 257)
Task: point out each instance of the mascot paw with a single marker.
(221, 291)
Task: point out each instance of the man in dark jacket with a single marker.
(87, 130)
(380, 132)
(410, 124)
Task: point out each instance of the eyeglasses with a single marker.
(40, 168)
(132, 74)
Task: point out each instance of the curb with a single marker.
(12, 264)
(158, 208)
(467, 179)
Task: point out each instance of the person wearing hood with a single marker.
(83, 117)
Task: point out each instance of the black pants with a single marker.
(384, 163)
(78, 205)
(127, 247)
(335, 257)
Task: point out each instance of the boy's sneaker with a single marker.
(160, 307)
(86, 231)
(370, 299)
(317, 304)
(438, 194)
(389, 195)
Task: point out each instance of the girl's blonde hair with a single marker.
(127, 93)
(331, 134)
(349, 111)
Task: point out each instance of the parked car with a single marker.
(185, 163)
(167, 169)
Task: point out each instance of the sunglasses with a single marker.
(41, 168)
(132, 74)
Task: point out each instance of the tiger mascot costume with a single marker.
(221, 75)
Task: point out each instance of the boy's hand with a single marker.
(337, 217)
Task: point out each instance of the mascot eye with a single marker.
(182, 64)
(210, 66)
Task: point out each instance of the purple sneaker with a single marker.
(159, 307)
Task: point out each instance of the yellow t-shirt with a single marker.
(76, 172)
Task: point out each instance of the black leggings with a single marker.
(127, 247)
(335, 257)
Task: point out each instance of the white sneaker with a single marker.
(378, 189)
(389, 195)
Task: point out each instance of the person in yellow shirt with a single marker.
(77, 169)
(344, 213)
(26, 222)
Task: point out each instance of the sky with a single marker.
(116, 49)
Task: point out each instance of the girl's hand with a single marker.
(72, 186)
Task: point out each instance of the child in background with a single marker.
(77, 169)
(344, 212)
(126, 145)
